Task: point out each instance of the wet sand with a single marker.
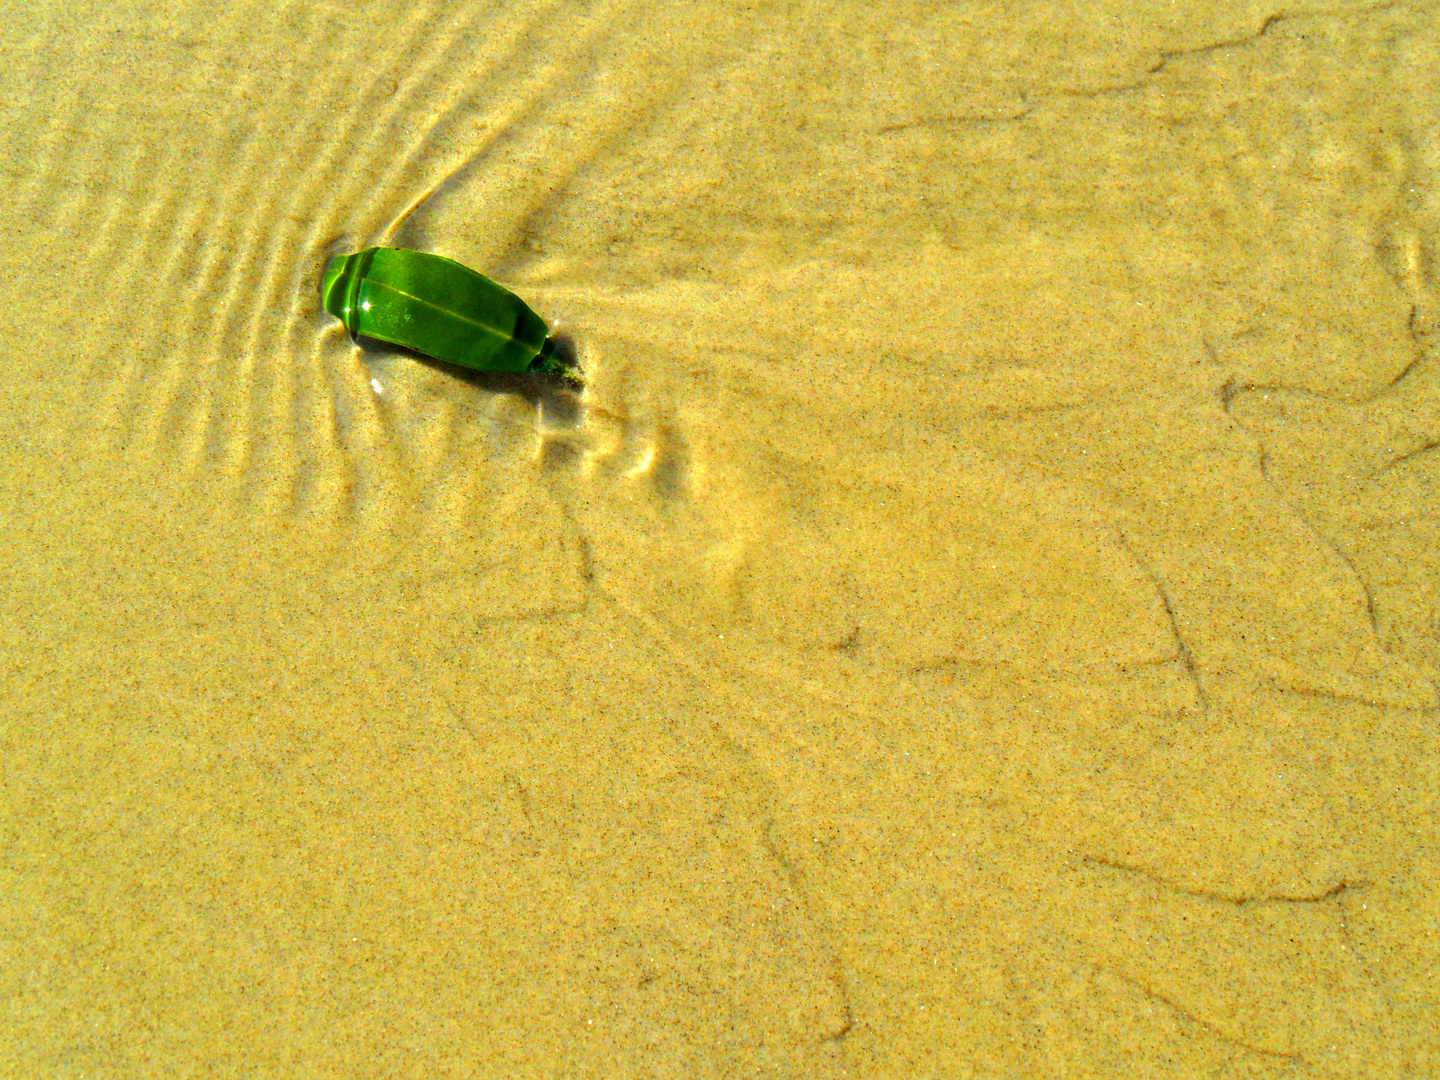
(979, 618)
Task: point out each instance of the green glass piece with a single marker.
(438, 307)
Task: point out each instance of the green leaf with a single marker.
(438, 307)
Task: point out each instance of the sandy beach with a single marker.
(980, 616)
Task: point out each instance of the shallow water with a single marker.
(979, 617)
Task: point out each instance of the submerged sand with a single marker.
(981, 616)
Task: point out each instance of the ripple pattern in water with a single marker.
(953, 427)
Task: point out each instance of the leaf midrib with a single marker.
(502, 334)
